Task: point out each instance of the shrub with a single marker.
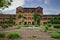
(49, 25)
(46, 28)
(2, 35)
(26, 25)
(18, 27)
(34, 36)
(4, 26)
(13, 35)
(55, 35)
(36, 25)
(58, 31)
(57, 26)
(10, 25)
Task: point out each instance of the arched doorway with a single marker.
(32, 23)
(25, 23)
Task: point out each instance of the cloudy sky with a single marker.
(49, 6)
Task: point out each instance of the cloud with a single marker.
(51, 11)
(15, 4)
(13, 11)
(46, 2)
(32, 3)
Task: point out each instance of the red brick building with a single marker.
(28, 16)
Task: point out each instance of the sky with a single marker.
(49, 6)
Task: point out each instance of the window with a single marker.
(25, 18)
(44, 23)
(44, 18)
(29, 17)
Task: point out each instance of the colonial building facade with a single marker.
(27, 13)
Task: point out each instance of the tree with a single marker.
(37, 18)
(10, 20)
(54, 20)
(20, 17)
(5, 3)
(4, 26)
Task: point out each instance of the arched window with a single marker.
(29, 22)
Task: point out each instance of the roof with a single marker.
(29, 7)
(51, 15)
(7, 14)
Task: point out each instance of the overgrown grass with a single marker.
(14, 35)
(2, 35)
(55, 35)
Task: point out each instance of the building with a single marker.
(28, 16)
(4, 18)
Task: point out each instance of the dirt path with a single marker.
(32, 34)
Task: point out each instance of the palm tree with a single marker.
(37, 18)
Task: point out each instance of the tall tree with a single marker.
(37, 18)
(5, 3)
(10, 20)
(20, 17)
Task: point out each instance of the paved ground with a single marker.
(33, 34)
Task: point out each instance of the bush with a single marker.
(58, 31)
(49, 25)
(36, 25)
(18, 27)
(13, 35)
(55, 35)
(10, 25)
(57, 26)
(2, 35)
(4, 26)
(46, 28)
(26, 25)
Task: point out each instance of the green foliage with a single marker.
(5, 3)
(36, 25)
(54, 20)
(55, 35)
(10, 25)
(26, 25)
(56, 26)
(4, 26)
(34, 36)
(20, 16)
(10, 20)
(58, 31)
(19, 26)
(2, 35)
(49, 25)
(46, 28)
(13, 35)
(37, 18)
